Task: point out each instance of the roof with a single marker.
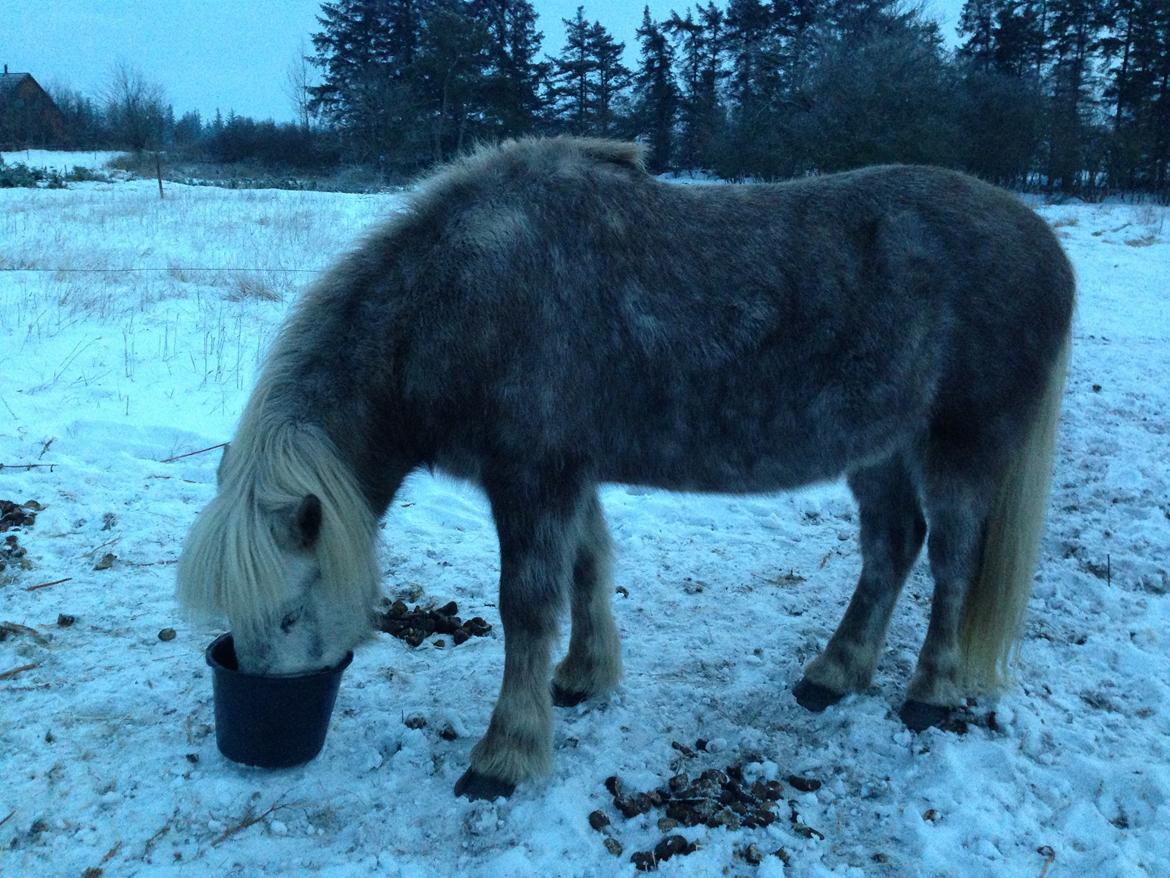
(10, 81)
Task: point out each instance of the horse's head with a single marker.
(308, 627)
(286, 552)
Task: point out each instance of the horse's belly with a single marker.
(769, 457)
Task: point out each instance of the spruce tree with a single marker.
(514, 76)
(569, 84)
(655, 93)
(612, 78)
(698, 47)
(977, 22)
(365, 50)
(447, 76)
(1072, 35)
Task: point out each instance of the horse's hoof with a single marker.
(813, 696)
(474, 785)
(919, 716)
(567, 697)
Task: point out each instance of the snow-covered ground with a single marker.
(59, 160)
(107, 751)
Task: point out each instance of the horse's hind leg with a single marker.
(538, 520)
(958, 489)
(892, 529)
(594, 663)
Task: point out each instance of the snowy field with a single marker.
(61, 161)
(107, 751)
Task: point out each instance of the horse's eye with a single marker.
(289, 620)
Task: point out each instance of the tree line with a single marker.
(1058, 94)
(133, 113)
(1067, 95)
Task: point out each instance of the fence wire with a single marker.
(177, 268)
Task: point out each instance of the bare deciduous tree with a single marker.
(297, 80)
(136, 108)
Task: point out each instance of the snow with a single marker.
(107, 749)
(62, 161)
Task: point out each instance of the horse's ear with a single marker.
(306, 522)
(222, 463)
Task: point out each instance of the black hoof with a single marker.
(474, 785)
(920, 716)
(567, 697)
(813, 696)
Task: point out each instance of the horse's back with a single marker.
(719, 336)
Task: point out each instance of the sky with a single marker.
(229, 55)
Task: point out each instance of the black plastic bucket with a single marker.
(270, 720)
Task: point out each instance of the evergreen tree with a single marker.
(85, 124)
(188, 130)
(1159, 111)
(756, 67)
(999, 105)
(707, 111)
(1149, 96)
(569, 86)
(612, 78)
(447, 75)
(1134, 49)
(655, 93)
(514, 76)
(1000, 119)
(1072, 35)
(698, 49)
(880, 93)
(1019, 39)
(688, 38)
(587, 79)
(748, 29)
(366, 50)
(977, 21)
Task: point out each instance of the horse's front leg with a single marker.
(538, 521)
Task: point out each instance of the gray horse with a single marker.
(546, 316)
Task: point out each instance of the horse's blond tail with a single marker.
(993, 611)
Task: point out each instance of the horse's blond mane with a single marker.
(232, 562)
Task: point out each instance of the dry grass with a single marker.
(1143, 241)
(195, 282)
(247, 286)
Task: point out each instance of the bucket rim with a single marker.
(219, 667)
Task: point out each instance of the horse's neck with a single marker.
(292, 392)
